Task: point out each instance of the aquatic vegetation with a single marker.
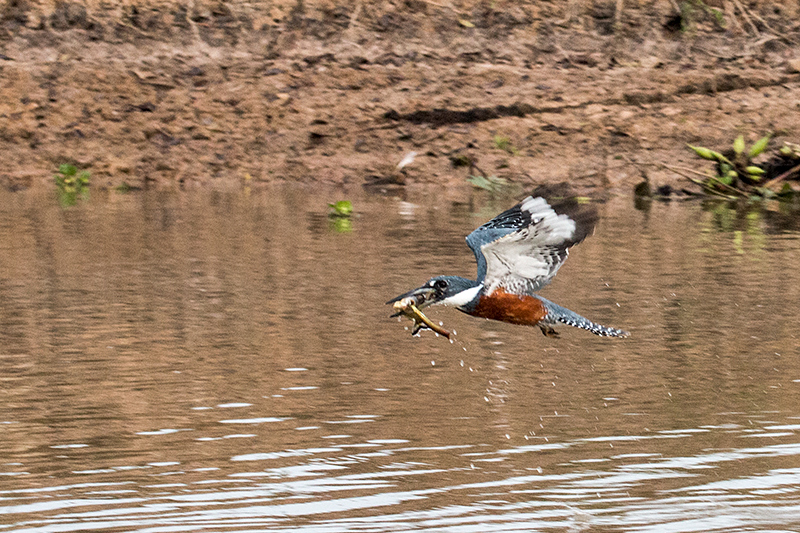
(340, 216)
(71, 184)
(342, 208)
(737, 174)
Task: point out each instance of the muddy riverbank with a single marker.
(598, 94)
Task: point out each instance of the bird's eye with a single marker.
(439, 284)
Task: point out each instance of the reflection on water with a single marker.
(224, 362)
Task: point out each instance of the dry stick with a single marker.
(473, 165)
(771, 30)
(354, 16)
(439, 5)
(745, 16)
(680, 171)
(735, 21)
(618, 15)
(781, 177)
(733, 189)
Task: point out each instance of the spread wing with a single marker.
(521, 249)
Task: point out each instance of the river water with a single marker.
(224, 361)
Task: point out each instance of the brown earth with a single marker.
(600, 94)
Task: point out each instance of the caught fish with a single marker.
(408, 307)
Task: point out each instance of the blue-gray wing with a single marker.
(521, 249)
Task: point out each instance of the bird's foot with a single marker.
(549, 331)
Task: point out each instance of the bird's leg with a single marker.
(548, 331)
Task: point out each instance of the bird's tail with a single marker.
(556, 313)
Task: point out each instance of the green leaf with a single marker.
(480, 182)
(738, 145)
(759, 146)
(342, 225)
(705, 153)
(342, 208)
(755, 171)
(67, 169)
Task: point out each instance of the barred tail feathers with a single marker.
(556, 313)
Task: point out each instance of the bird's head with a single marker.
(447, 290)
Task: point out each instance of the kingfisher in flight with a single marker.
(518, 252)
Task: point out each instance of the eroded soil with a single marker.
(340, 93)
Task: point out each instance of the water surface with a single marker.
(223, 361)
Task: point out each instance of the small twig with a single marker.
(731, 188)
(355, 14)
(781, 177)
(719, 56)
(679, 170)
(441, 6)
(771, 29)
(706, 187)
(746, 16)
(734, 21)
(473, 165)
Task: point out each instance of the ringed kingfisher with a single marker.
(518, 252)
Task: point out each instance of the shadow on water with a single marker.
(224, 361)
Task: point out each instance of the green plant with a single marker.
(736, 173)
(340, 216)
(502, 142)
(71, 184)
(342, 208)
(691, 12)
(493, 184)
(738, 164)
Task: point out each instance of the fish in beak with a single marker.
(409, 305)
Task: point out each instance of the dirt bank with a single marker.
(597, 93)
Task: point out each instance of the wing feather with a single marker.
(522, 248)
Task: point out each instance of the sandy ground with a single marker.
(599, 94)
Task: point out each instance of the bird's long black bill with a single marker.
(421, 296)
